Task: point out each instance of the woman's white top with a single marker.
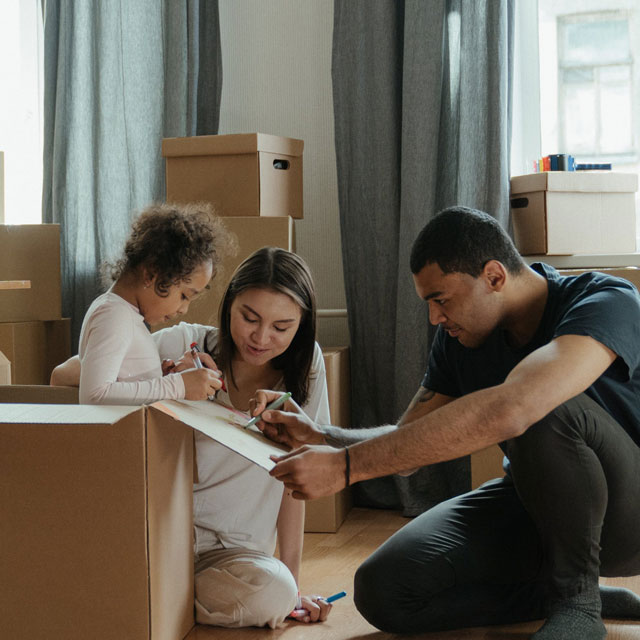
(120, 360)
(236, 502)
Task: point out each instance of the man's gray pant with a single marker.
(568, 512)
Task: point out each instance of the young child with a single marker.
(168, 260)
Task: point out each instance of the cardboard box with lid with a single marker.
(246, 174)
(568, 212)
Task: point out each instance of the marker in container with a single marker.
(195, 350)
(273, 405)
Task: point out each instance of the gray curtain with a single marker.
(119, 76)
(422, 103)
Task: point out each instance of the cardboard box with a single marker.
(632, 274)
(251, 174)
(252, 234)
(486, 465)
(96, 523)
(30, 252)
(5, 369)
(37, 394)
(35, 348)
(567, 212)
(328, 513)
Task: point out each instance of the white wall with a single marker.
(276, 57)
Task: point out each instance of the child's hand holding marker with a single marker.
(314, 608)
(198, 358)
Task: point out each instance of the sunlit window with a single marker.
(21, 109)
(594, 85)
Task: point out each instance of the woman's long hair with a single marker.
(283, 272)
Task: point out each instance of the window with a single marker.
(595, 66)
(589, 79)
(21, 41)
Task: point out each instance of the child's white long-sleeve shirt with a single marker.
(120, 363)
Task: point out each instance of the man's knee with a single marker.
(382, 598)
(371, 595)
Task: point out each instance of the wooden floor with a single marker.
(328, 565)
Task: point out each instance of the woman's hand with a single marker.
(290, 426)
(316, 607)
(199, 384)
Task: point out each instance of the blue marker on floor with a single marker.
(336, 596)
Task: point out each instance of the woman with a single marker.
(266, 340)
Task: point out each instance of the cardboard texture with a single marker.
(35, 348)
(252, 174)
(564, 212)
(30, 252)
(487, 464)
(5, 369)
(102, 497)
(328, 513)
(632, 274)
(97, 517)
(252, 234)
(37, 394)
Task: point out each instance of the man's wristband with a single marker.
(347, 468)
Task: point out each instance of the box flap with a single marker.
(235, 143)
(581, 181)
(63, 414)
(224, 425)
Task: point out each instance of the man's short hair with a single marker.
(463, 240)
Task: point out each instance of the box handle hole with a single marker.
(520, 203)
(281, 164)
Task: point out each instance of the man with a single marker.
(547, 366)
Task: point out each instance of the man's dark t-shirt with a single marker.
(591, 304)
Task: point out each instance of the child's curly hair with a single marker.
(171, 240)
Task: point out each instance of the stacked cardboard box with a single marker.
(569, 212)
(33, 336)
(254, 182)
(328, 513)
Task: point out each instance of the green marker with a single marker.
(274, 405)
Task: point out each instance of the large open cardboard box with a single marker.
(30, 252)
(568, 212)
(249, 174)
(96, 523)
